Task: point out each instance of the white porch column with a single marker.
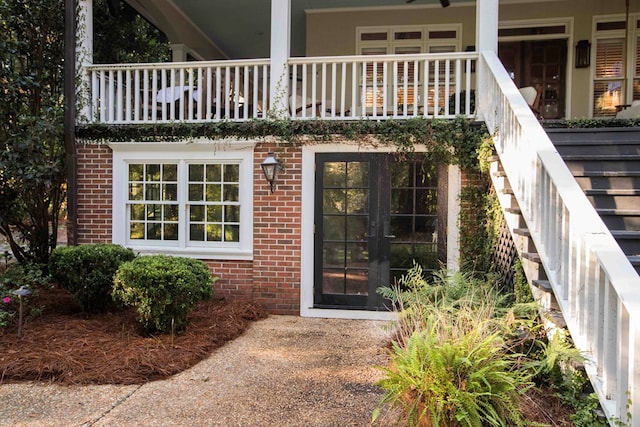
(178, 52)
(486, 41)
(280, 49)
(84, 57)
(454, 185)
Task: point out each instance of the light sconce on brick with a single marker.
(270, 167)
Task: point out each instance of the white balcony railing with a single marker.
(382, 86)
(351, 87)
(188, 91)
(596, 287)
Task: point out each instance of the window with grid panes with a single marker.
(214, 203)
(184, 202)
(402, 40)
(153, 201)
(613, 88)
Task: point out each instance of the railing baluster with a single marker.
(426, 88)
(436, 88)
(314, 95)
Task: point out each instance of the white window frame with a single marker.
(184, 154)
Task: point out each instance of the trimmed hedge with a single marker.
(87, 272)
(163, 289)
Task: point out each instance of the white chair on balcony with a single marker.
(171, 94)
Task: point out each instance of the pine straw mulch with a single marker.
(66, 346)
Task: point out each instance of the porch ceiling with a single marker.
(241, 28)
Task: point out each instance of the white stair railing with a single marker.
(596, 287)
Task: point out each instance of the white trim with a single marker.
(183, 153)
(547, 22)
(454, 185)
(307, 237)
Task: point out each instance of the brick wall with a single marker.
(277, 232)
(94, 193)
(272, 278)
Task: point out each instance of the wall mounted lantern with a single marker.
(583, 54)
(270, 167)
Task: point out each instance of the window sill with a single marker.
(199, 253)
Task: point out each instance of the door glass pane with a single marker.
(345, 205)
(413, 215)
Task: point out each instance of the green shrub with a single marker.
(87, 272)
(163, 289)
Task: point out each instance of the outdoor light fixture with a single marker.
(583, 54)
(270, 167)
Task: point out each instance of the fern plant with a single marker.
(457, 371)
(456, 360)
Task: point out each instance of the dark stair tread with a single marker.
(515, 211)
(634, 259)
(622, 212)
(532, 256)
(613, 192)
(607, 173)
(522, 232)
(577, 157)
(493, 158)
(500, 174)
(625, 234)
(543, 285)
(507, 191)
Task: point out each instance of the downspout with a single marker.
(69, 120)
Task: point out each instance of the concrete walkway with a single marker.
(284, 371)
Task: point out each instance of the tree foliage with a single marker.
(31, 104)
(121, 35)
(32, 156)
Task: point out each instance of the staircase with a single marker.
(606, 165)
(554, 223)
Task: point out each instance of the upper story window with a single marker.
(406, 39)
(616, 64)
(190, 201)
